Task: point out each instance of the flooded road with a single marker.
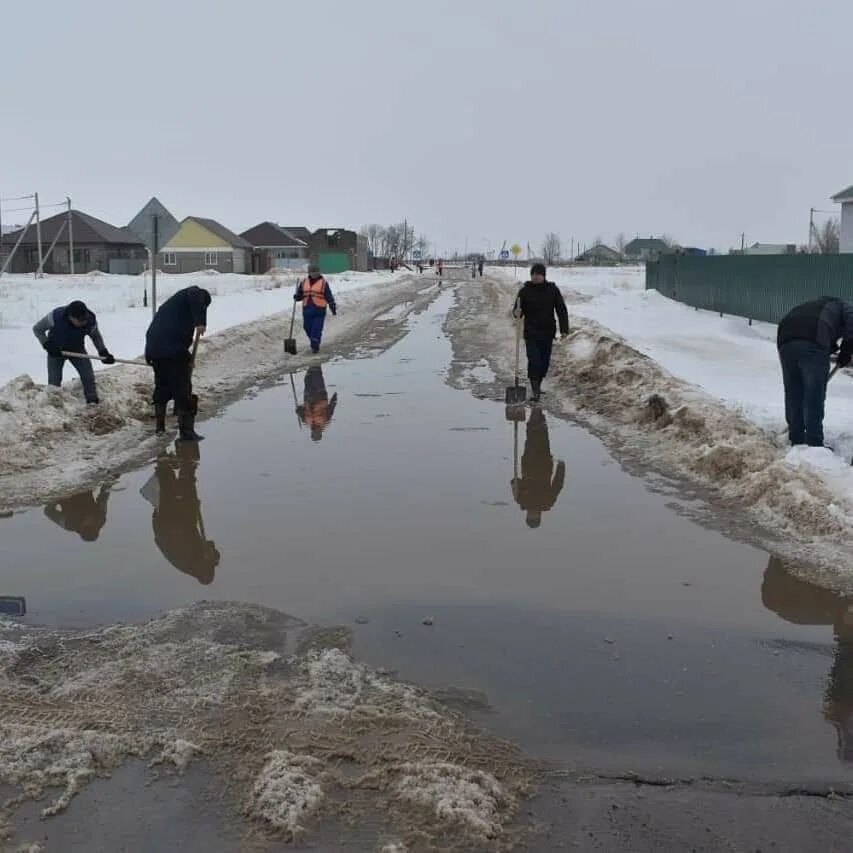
(555, 598)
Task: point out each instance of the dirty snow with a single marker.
(209, 680)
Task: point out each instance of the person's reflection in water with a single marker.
(317, 409)
(802, 603)
(540, 484)
(82, 513)
(177, 521)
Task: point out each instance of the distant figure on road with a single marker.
(537, 302)
(317, 409)
(177, 523)
(439, 269)
(316, 296)
(82, 513)
(540, 484)
(806, 337)
(167, 350)
(64, 330)
(480, 267)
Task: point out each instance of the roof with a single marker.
(270, 234)
(143, 223)
(87, 230)
(844, 195)
(221, 231)
(298, 231)
(600, 249)
(651, 243)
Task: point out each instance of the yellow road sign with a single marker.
(515, 249)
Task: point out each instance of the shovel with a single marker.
(194, 397)
(98, 358)
(290, 342)
(516, 394)
(295, 401)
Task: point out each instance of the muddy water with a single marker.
(571, 608)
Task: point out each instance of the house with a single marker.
(273, 247)
(845, 199)
(599, 255)
(336, 250)
(97, 245)
(203, 244)
(143, 224)
(770, 249)
(640, 249)
(300, 232)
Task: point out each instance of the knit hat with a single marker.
(538, 269)
(78, 310)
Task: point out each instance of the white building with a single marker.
(845, 199)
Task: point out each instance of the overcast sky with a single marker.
(489, 120)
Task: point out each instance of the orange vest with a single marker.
(314, 292)
(317, 414)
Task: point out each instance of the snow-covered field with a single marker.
(118, 302)
(724, 356)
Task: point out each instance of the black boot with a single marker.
(160, 417)
(186, 428)
(536, 386)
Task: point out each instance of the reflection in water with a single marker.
(177, 521)
(799, 602)
(82, 513)
(317, 409)
(540, 484)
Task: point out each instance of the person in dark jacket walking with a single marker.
(82, 513)
(64, 330)
(806, 337)
(177, 522)
(480, 267)
(167, 350)
(317, 409)
(537, 302)
(540, 484)
(316, 296)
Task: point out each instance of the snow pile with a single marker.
(297, 737)
(51, 443)
(456, 795)
(286, 792)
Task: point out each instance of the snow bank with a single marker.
(286, 793)
(52, 443)
(118, 302)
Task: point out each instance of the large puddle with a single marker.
(604, 629)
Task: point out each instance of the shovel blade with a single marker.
(516, 414)
(290, 346)
(516, 395)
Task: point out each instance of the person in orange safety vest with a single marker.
(317, 409)
(316, 296)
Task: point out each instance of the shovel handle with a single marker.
(195, 348)
(98, 358)
(292, 319)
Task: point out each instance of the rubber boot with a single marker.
(536, 386)
(160, 417)
(186, 428)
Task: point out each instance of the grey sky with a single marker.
(485, 119)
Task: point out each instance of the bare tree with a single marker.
(670, 241)
(827, 236)
(374, 235)
(551, 248)
(619, 243)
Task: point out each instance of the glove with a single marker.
(107, 357)
(334, 310)
(845, 354)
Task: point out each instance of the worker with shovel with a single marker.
(82, 513)
(167, 349)
(64, 330)
(541, 482)
(316, 297)
(537, 303)
(806, 338)
(317, 409)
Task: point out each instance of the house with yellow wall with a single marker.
(204, 244)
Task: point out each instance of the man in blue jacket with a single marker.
(64, 330)
(167, 350)
(316, 296)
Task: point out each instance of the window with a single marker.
(82, 256)
(169, 259)
(211, 259)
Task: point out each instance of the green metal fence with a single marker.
(760, 287)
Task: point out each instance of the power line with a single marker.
(18, 198)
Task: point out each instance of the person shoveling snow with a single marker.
(316, 296)
(167, 350)
(806, 338)
(537, 302)
(64, 329)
